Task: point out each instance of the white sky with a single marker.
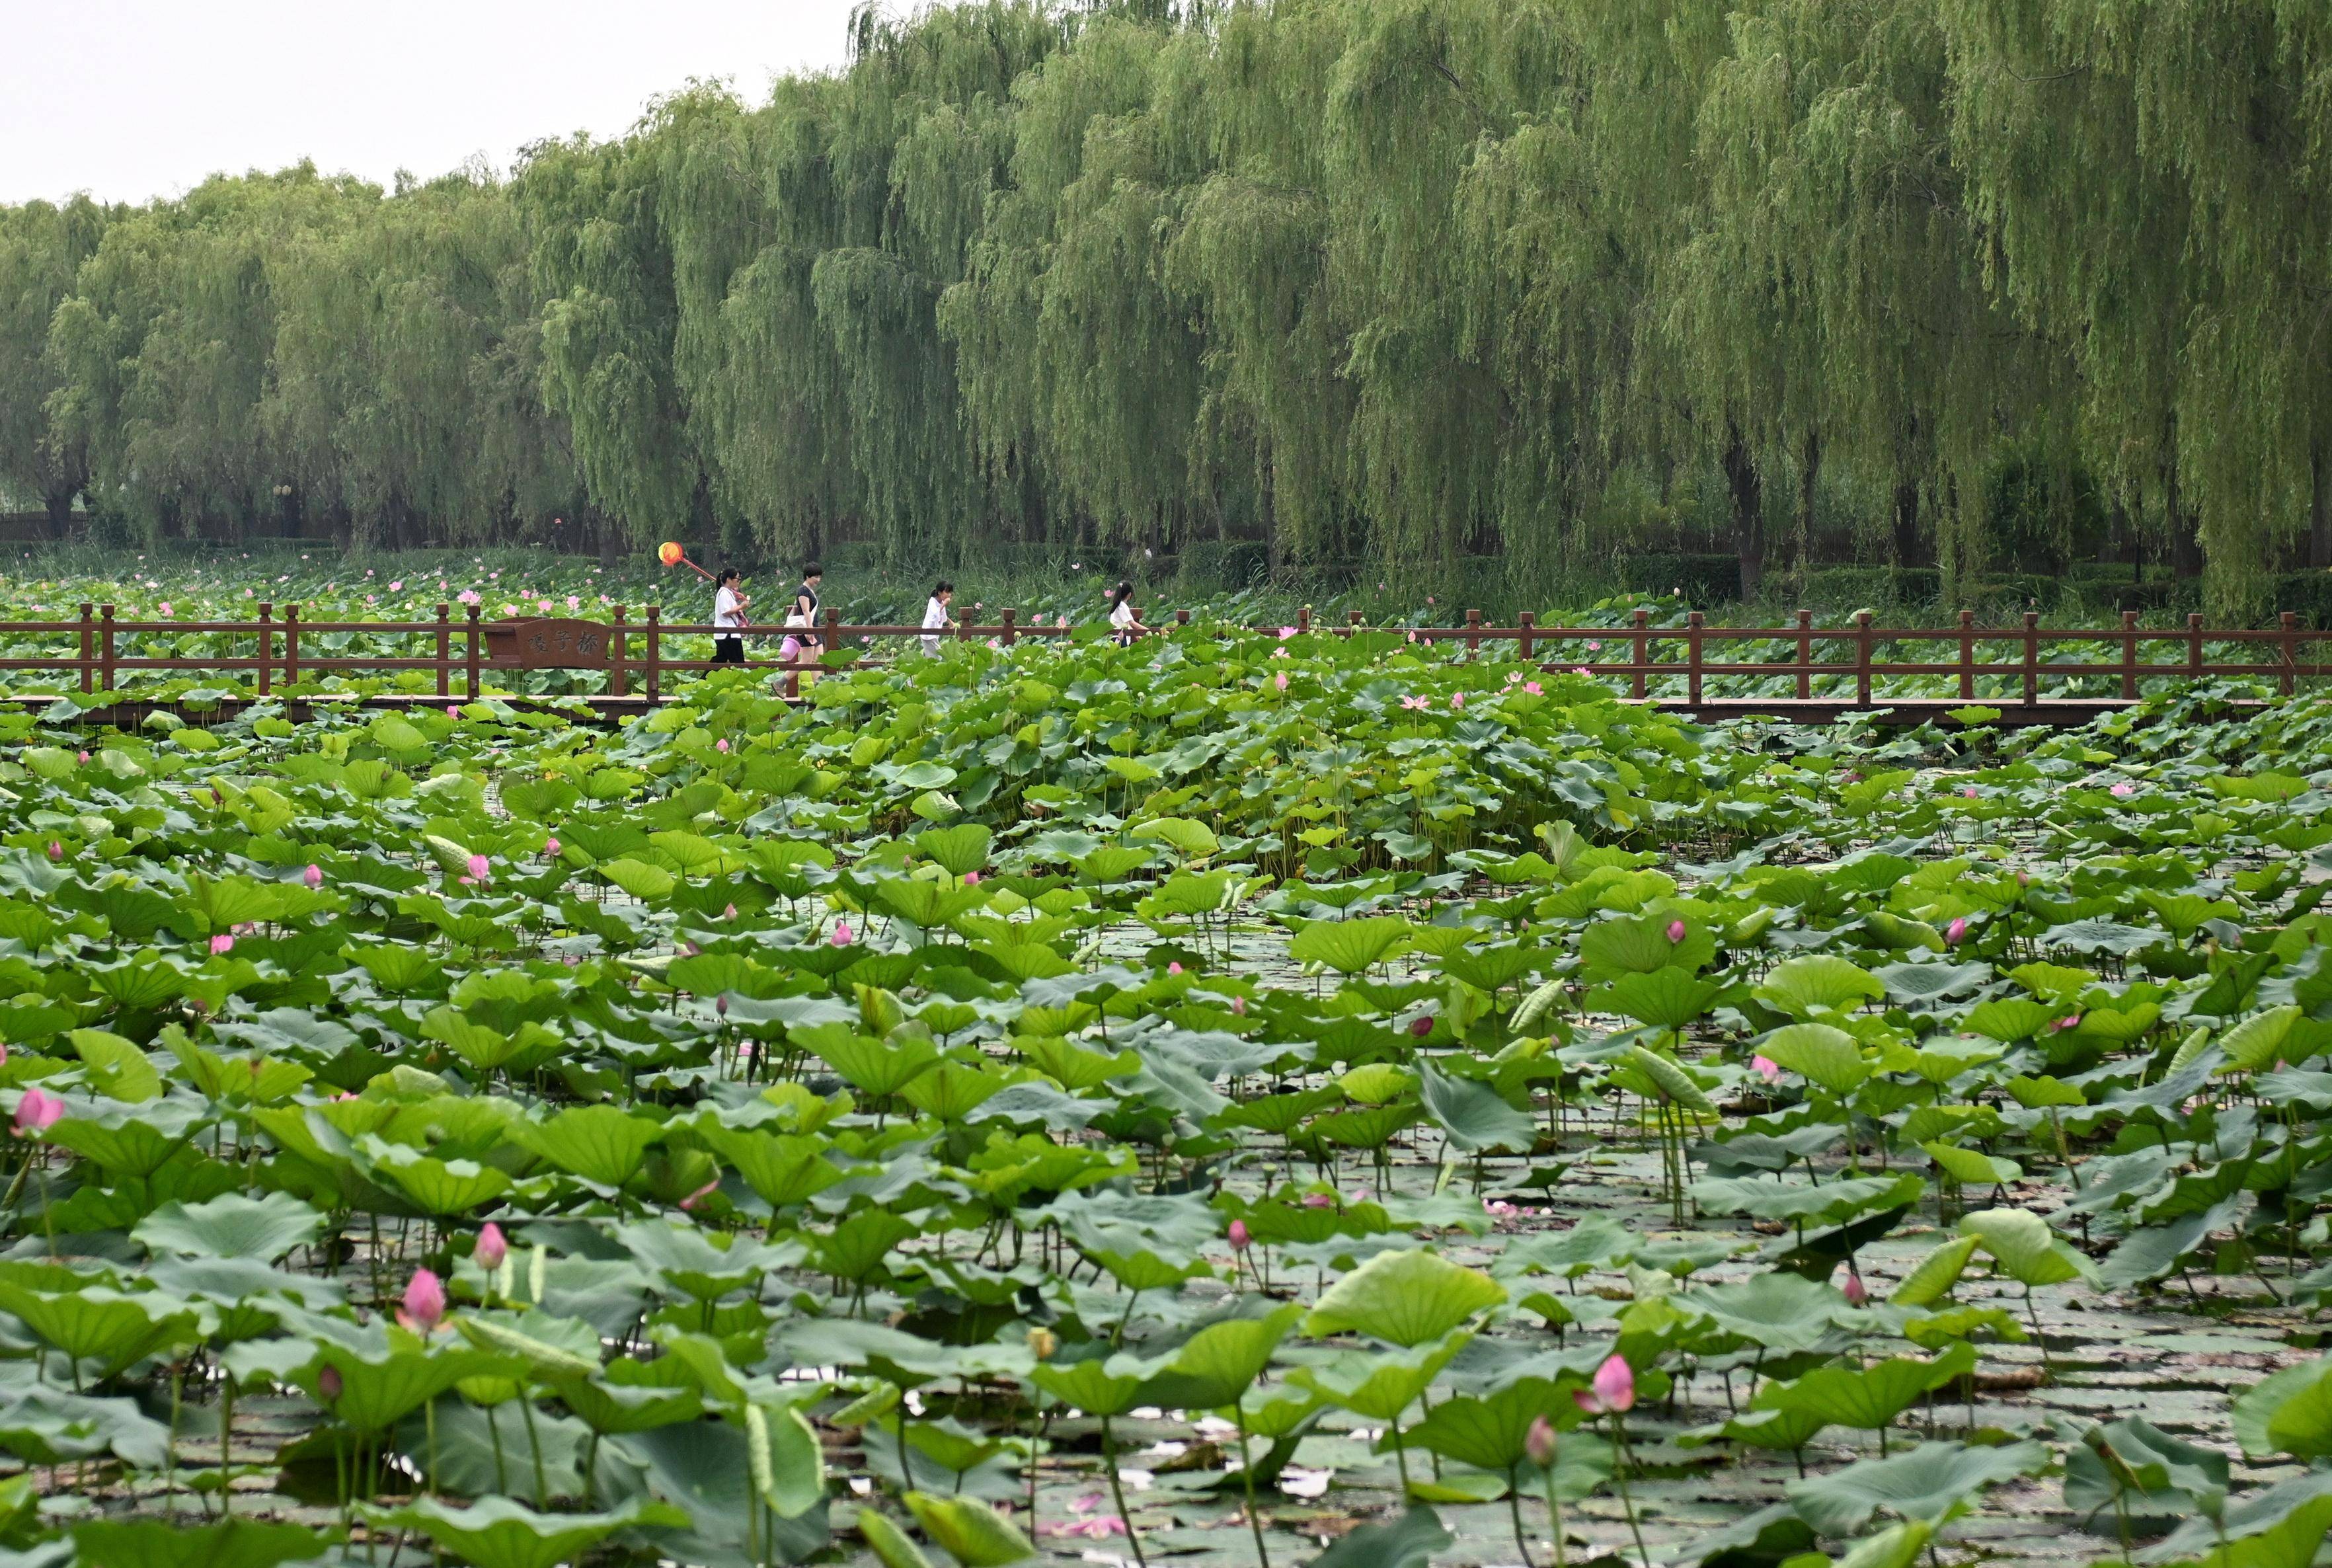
(129, 99)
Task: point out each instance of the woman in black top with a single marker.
(802, 619)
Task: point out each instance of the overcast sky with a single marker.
(133, 99)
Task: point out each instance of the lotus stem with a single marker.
(1117, 1491)
(1247, 1476)
(1620, 1462)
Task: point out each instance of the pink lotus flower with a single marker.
(1416, 703)
(1240, 1237)
(1857, 1293)
(1675, 931)
(491, 1247)
(1280, 680)
(841, 937)
(1533, 688)
(574, 601)
(1613, 1393)
(2070, 1021)
(424, 1304)
(164, 608)
(1238, 1006)
(1097, 1527)
(1955, 932)
(2124, 791)
(222, 944)
(84, 758)
(467, 596)
(729, 911)
(1319, 1201)
(1458, 700)
(721, 746)
(1422, 1025)
(1498, 1208)
(56, 850)
(972, 879)
(1766, 1067)
(1969, 793)
(550, 848)
(314, 876)
(543, 606)
(1594, 648)
(689, 1203)
(451, 712)
(1279, 652)
(1579, 669)
(1286, 633)
(38, 1111)
(397, 586)
(478, 866)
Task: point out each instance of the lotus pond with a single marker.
(1290, 1100)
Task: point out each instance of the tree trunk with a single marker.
(1906, 523)
(60, 506)
(1748, 490)
(2319, 512)
(2186, 528)
(1809, 471)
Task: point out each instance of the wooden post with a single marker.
(2195, 646)
(656, 652)
(1862, 658)
(88, 648)
(444, 654)
(1304, 618)
(1352, 622)
(2289, 623)
(1528, 623)
(1643, 652)
(833, 638)
(2032, 657)
(1182, 617)
(1692, 658)
(1473, 634)
(266, 644)
(1967, 655)
(2129, 653)
(470, 660)
(105, 650)
(1805, 654)
(617, 686)
(1012, 627)
(291, 645)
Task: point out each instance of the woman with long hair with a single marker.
(729, 603)
(1123, 616)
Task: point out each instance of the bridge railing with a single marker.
(1671, 664)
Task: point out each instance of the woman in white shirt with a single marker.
(1124, 616)
(935, 614)
(728, 612)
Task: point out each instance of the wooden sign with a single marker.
(547, 644)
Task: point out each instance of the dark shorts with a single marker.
(728, 650)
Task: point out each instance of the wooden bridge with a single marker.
(1826, 673)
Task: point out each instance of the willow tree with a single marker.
(42, 248)
(164, 348)
(2152, 180)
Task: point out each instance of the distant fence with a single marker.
(1681, 668)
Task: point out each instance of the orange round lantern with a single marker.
(671, 554)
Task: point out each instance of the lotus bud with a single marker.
(1955, 932)
(729, 911)
(38, 1111)
(84, 758)
(424, 1302)
(720, 1004)
(1539, 1443)
(329, 1386)
(1043, 1343)
(841, 937)
(1422, 1025)
(550, 849)
(56, 850)
(491, 1246)
(1614, 1392)
(451, 712)
(721, 745)
(1240, 1237)
(1675, 931)
(1857, 1293)
(222, 944)
(313, 876)
(1238, 1006)
(1173, 967)
(972, 879)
